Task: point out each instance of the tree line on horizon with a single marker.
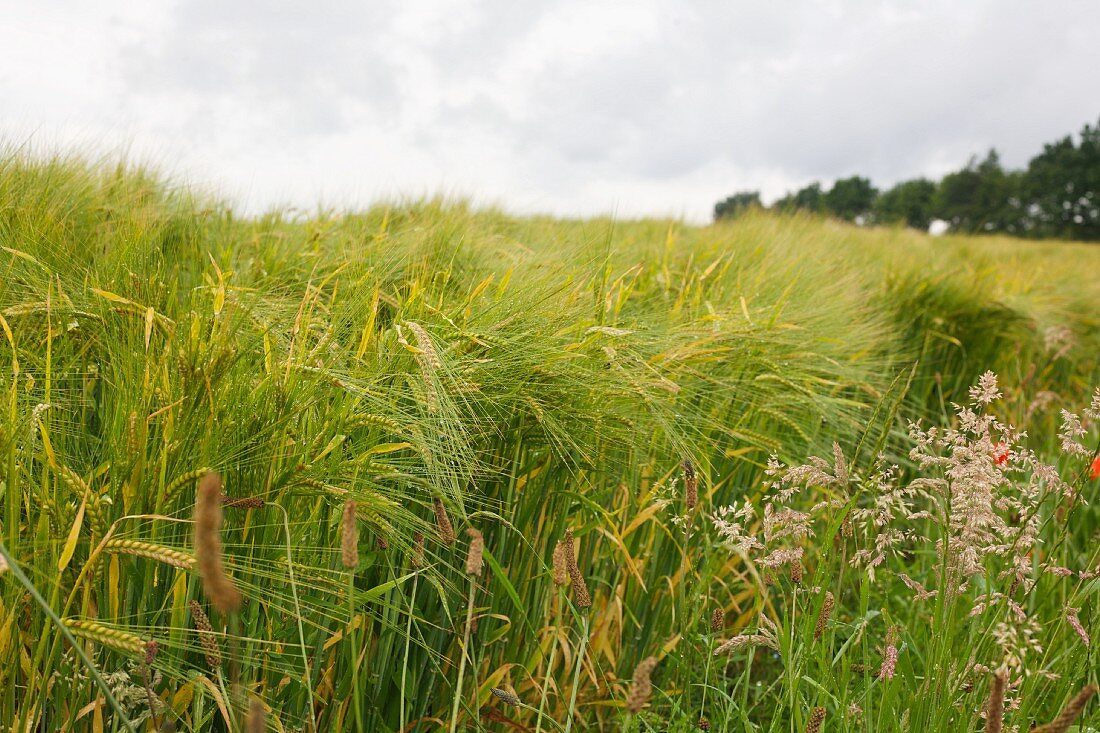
(1056, 196)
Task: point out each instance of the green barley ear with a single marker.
(349, 537)
(208, 546)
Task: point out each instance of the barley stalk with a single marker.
(137, 548)
(106, 636)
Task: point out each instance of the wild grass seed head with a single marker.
(208, 546)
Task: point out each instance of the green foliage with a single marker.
(532, 376)
(736, 204)
(1056, 196)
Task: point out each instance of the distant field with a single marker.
(451, 370)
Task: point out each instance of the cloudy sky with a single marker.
(567, 106)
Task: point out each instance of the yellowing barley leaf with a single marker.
(74, 534)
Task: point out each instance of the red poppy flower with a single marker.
(1095, 468)
(1000, 454)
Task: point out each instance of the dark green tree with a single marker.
(1061, 188)
(736, 204)
(909, 203)
(850, 198)
(807, 198)
(982, 197)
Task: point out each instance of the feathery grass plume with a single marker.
(580, 588)
(208, 546)
(641, 687)
(207, 639)
(137, 548)
(106, 636)
(691, 485)
(823, 617)
(504, 695)
(561, 564)
(243, 502)
(817, 717)
(1069, 713)
(417, 560)
(995, 706)
(743, 640)
(889, 656)
(1075, 623)
(717, 620)
(443, 523)
(349, 537)
(257, 717)
(475, 561)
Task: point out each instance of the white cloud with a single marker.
(573, 106)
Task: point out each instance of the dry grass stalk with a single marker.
(167, 555)
(717, 620)
(641, 687)
(1069, 713)
(106, 636)
(580, 589)
(443, 523)
(257, 717)
(349, 537)
(208, 546)
(823, 617)
(995, 706)
(817, 717)
(561, 564)
(475, 561)
(691, 485)
(207, 638)
(504, 696)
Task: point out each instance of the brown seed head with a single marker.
(823, 617)
(504, 695)
(1070, 712)
(443, 523)
(691, 485)
(704, 724)
(641, 687)
(208, 546)
(349, 537)
(243, 502)
(817, 717)
(580, 589)
(475, 561)
(206, 635)
(796, 572)
(995, 707)
(418, 550)
(561, 564)
(717, 620)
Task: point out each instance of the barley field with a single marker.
(427, 468)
